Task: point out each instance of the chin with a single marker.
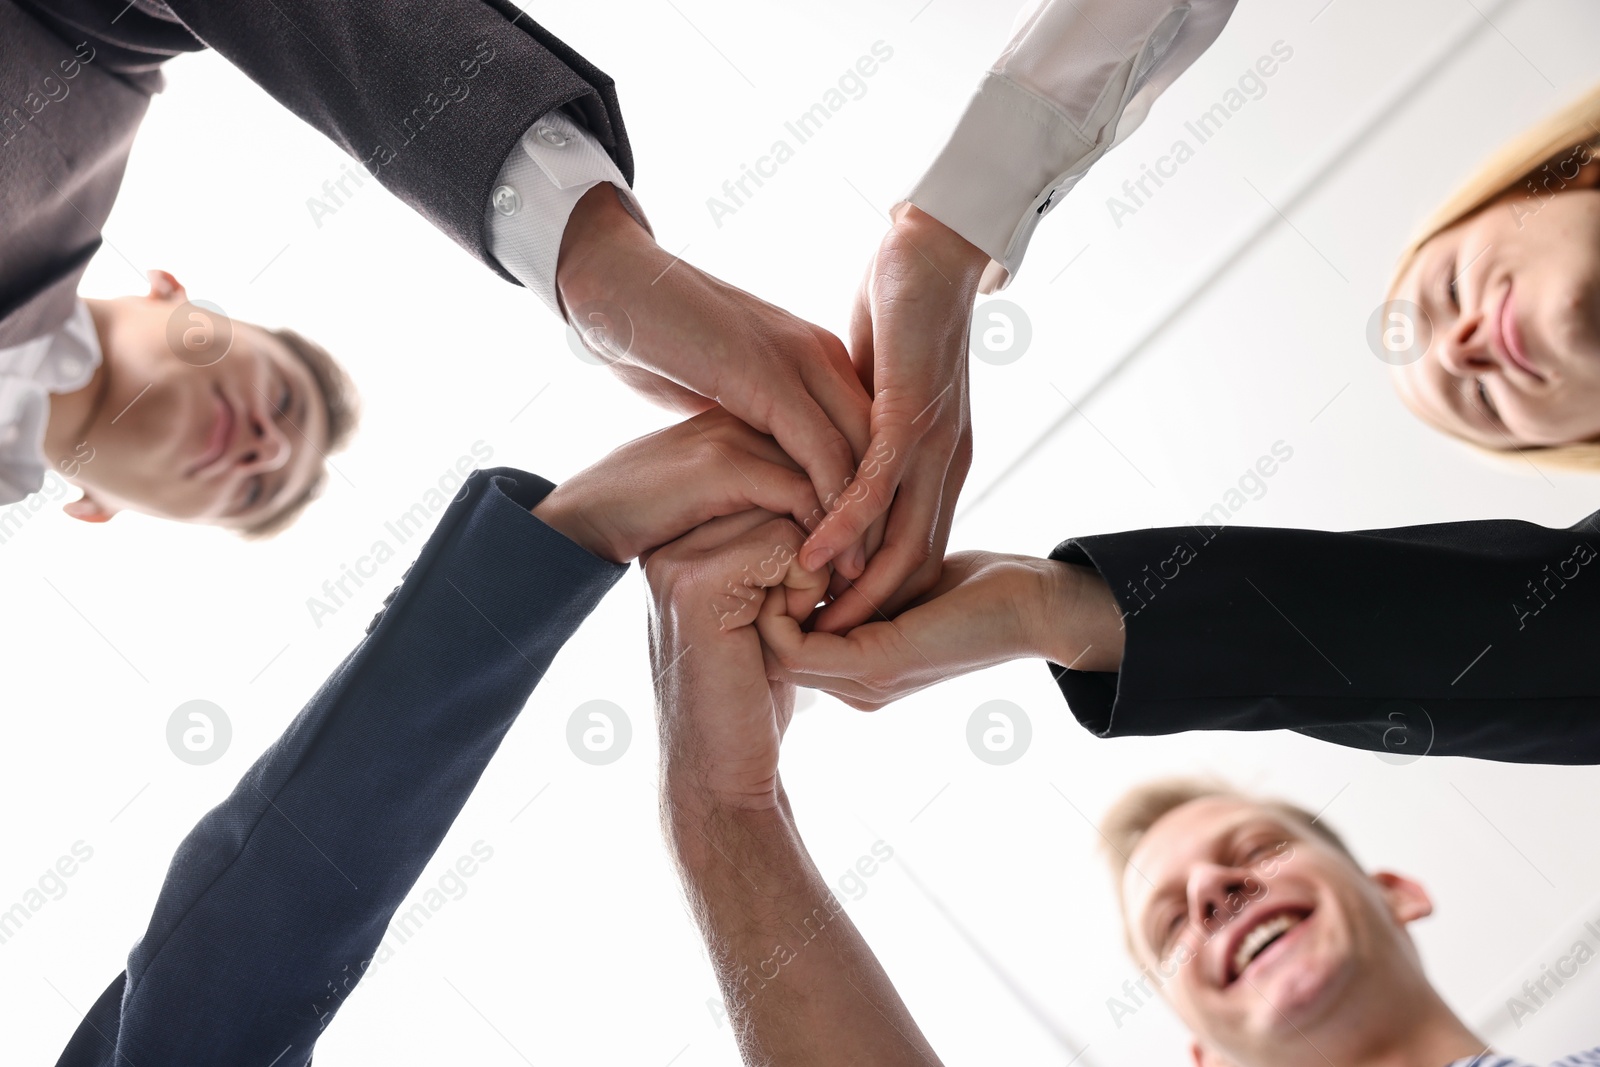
(1301, 997)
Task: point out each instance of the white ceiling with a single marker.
(1218, 327)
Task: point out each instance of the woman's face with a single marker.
(1511, 299)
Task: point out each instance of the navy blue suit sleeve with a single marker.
(275, 903)
(1466, 639)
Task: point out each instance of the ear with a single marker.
(164, 286)
(1407, 900)
(88, 509)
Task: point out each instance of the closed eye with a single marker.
(252, 494)
(1485, 401)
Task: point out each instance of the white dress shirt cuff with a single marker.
(543, 178)
(995, 176)
(1076, 79)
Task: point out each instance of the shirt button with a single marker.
(505, 200)
(551, 136)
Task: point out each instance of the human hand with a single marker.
(985, 609)
(908, 338)
(688, 339)
(662, 485)
(721, 721)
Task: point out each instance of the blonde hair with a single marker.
(1553, 140)
(343, 406)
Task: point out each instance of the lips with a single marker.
(1510, 337)
(1252, 939)
(217, 439)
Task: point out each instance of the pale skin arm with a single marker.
(986, 609)
(801, 985)
(691, 341)
(656, 488)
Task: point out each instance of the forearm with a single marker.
(801, 985)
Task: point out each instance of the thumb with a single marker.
(737, 574)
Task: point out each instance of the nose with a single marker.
(266, 447)
(1217, 894)
(1464, 348)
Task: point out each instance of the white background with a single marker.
(994, 916)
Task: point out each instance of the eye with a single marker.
(1260, 850)
(1168, 932)
(252, 493)
(1483, 398)
(285, 398)
(1450, 287)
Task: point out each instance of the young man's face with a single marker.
(1272, 946)
(204, 419)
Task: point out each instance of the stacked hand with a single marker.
(867, 451)
(721, 722)
(885, 440)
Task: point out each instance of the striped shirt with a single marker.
(1495, 1059)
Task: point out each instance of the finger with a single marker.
(824, 658)
(803, 590)
(854, 511)
(848, 405)
(737, 573)
(861, 328)
(804, 431)
(832, 381)
(749, 482)
(718, 426)
(901, 569)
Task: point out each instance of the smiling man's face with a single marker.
(1274, 947)
(204, 419)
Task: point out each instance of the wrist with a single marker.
(692, 813)
(600, 234)
(1078, 623)
(954, 256)
(564, 511)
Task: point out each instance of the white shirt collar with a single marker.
(61, 362)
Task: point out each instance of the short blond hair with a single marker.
(1514, 166)
(343, 405)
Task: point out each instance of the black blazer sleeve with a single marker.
(275, 903)
(429, 95)
(1467, 639)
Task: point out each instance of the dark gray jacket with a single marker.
(377, 78)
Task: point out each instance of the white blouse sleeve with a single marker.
(1076, 78)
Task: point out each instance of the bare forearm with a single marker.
(802, 986)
